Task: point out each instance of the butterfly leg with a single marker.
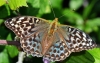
(16, 38)
(21, 54)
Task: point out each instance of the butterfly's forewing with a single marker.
(78, 40)
(30, 30)
(25, 26)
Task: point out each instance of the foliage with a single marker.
(82, 14)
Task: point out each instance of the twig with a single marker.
(15, 43)
(4, 42)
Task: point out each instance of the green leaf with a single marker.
(34, 3)
(92, 25)
(4, 56)
(1, 21)
(88, 9)
(94, 22)
(2, 2)
(80, 57)
(73, 17)
(9, 37)
(15, 4)
(4, 11)
(36, 7)
(58, 5)
(32, 9)
(96, 54)
(12, 51)
(44, 7)
(75, 4)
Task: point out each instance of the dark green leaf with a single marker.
(88, 9)
(80, 57)
(73, 17)
(4, 11)
(1, 21)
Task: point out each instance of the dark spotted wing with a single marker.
(25, 26)
(30, 30)
(67, 40)
(77, 39)
(59, 50)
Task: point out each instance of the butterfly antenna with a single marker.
(66, 13)
(61, 16)
(52, 9)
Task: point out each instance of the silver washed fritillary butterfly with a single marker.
(50, 40)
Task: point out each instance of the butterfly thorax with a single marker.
(53, 27)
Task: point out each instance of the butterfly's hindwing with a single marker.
(78, 40)
(58, 50)
(32, 44)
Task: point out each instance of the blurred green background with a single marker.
(82, 14)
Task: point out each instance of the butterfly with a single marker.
(50, 40)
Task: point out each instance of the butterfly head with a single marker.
(55, 20)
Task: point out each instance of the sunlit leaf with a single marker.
(96, 54)
(2, 2)
(58, 5)
(75, 4)
(15, 4)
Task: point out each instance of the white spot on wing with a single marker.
(84, 39)
(37, 20)
(21, 18)
(72, 38)
(83, 43)
(87, 44)
(18, 21)
(16, 26)
(84, 34)
(78, 35)
(12, 24)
